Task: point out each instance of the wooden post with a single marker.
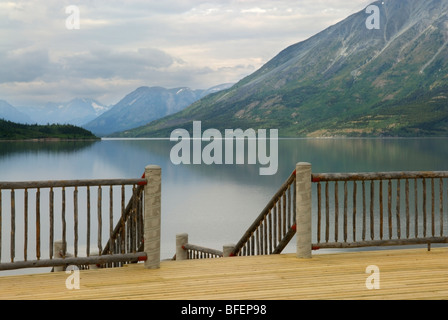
(152, 213)
(227, 250)
(181, 240)
(303, 205)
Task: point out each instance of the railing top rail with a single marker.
(189, 246)
(68, 183)
(378, 176)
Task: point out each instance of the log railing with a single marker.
(198, 252)
(275, 225)
(128, 235)
(348, 210)
(62, 211)
(186, 250)
(378, 209)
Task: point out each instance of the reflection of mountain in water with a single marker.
(17, 147)
(128, 158)
(325, 155)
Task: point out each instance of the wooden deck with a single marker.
(404, 274)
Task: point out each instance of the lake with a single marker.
(214, 204)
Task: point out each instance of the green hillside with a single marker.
(345, 81)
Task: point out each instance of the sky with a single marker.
(48, 55)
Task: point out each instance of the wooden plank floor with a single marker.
(404, 274)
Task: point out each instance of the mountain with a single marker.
(348, 80)
(77, 111)
(144, 105)
(10, 113)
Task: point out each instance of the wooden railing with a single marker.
(128, 235)
(275, 225)
(57, 209)
(198, 252)
(379, 209)
(348, 210)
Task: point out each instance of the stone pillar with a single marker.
(303, 207)
(227, 250)
(58, 250)
(153, 211)
(181, 240)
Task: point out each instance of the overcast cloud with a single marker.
(122, 45)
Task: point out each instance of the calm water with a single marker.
(213, 204)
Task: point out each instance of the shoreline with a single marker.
(49, 140)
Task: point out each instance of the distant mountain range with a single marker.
(137, 108)
(77, 112)
(144, 105)
(10, 113)
(348, 80)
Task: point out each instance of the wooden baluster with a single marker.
(398, 209)
(111, 220)
(433, 218)
(13, 225)
(75, 217)
(25, 226)
(1, 223)
(51, 213)
(424, 208)
(416, 207)
(441, 205)
(319, 211)
(381, 210)
(64, 225)
(279, 218)
(389, 207)
(270, 231)
(372, 209)
(363, 211)
(290, 223)
(123, 220)
(407, 208)
(285, 217)
(265, 235)
(38, 224)
(274, 217)
(99, 204)
(327, 213)
(345, 210)
(336, 211)
(88, 222)
(354, 209)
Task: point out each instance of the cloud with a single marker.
(129, 43)
(23, 65)
(110, 63)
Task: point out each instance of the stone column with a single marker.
(181, 240)
(153, 211)
(303, 207)
(227, 249)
